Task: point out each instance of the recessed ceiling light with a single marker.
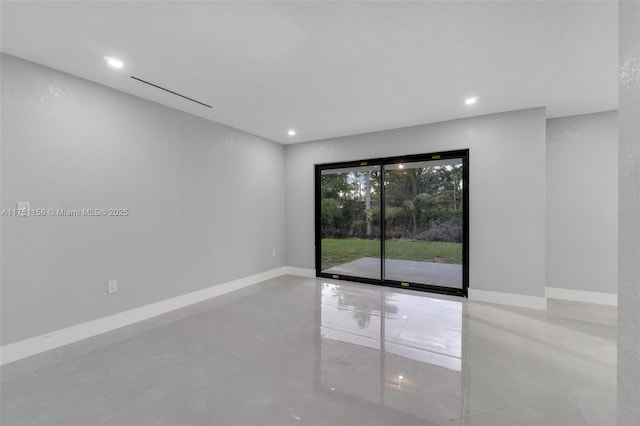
(400, 166)
(291, 132)
(116, 63)
(471, 100)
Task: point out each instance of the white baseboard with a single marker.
(301, 272)
(520, 300)
(35, 345)
(609, 299)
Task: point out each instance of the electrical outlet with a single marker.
(273, 252)
(112, 286)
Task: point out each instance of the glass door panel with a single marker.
(424, 222)
(350, 233)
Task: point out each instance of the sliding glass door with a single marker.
(399, 221)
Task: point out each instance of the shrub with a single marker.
(447, 231)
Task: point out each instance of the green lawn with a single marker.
(337, 252)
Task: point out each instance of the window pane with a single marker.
(424, 222)
(350, 222)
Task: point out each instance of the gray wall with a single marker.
(582, 202)
(629, 219)
(199, 196)
(507, 205)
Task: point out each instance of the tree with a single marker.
(409, 190)
(334, 185)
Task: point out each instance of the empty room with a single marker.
(320, 213)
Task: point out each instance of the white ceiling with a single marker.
(328, 68)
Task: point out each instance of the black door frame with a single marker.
(445, 155)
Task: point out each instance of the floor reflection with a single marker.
(392, 348)
(306, 351)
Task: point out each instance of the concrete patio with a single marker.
(431, 273)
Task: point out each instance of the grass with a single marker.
(339, 251)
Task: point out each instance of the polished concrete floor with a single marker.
(431, 273)
(301, 351)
